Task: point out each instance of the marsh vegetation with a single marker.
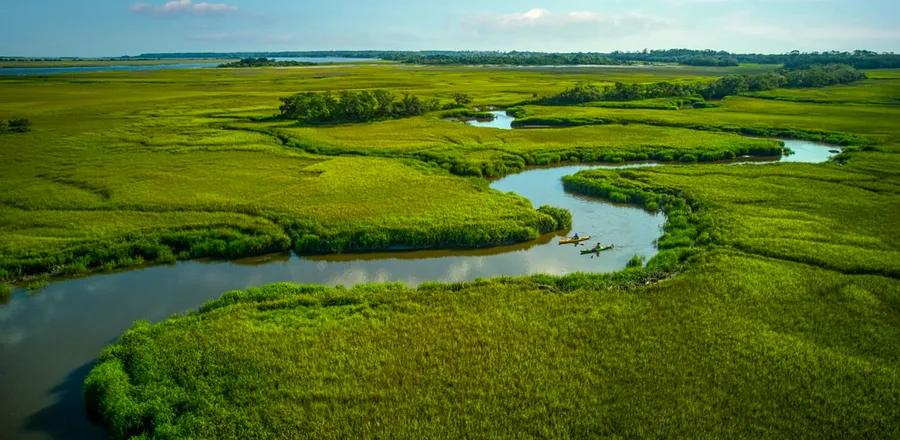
(774, 291)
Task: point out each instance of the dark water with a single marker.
(49, 339)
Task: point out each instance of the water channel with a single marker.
(50, 338)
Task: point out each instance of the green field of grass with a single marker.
(128, 168)
(883, 88)
(860, 113)
(468, 150)
(771, 310)
(738, 346)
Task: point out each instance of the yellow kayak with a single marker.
(571, 240)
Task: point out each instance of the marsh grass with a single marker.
(132, 168)
(5, 292)
(769, 312)
(581, 355)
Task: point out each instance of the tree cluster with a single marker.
(17, 125)
(353, 106)
(815, 76)
(507, 58)
(264, 62)
(860, 59)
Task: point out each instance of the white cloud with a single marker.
(543, 29)
(540, 17)
(183, 7)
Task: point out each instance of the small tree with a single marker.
(19, 125)
(461, 99)
(636, 262)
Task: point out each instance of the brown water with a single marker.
(49, 339)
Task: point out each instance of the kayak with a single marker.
(570, 240)
(596, 250)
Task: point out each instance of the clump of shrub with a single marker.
(37, 284)
(460, 100)
(734, 84)
(5, 292)
(635, 262)
(562, 218)
(17, 125)
(264, 62)
(131, 250)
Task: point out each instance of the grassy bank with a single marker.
(472, 151)
(770, 312)
(780, 323)
(131, 168)
(727, 349)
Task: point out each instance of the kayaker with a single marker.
(575, 236)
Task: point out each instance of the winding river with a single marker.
(49, 339)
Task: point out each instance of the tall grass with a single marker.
(151, 166)
(770, 311)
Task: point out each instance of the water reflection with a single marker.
(29, 71)
(501, 120)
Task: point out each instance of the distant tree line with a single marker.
(354, 106)
(726, 61)
(814, 76)
(264, 62)
(695, 58)
(860, 59)
(17, 125)
(507, 58)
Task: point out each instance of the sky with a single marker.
(125, 27)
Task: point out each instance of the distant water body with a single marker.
(37, 71)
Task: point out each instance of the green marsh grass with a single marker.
(138, 167)
(770, 311)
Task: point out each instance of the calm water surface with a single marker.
(25, 71)
(49, 339)
(501, 120)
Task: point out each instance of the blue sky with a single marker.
(125, 27)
